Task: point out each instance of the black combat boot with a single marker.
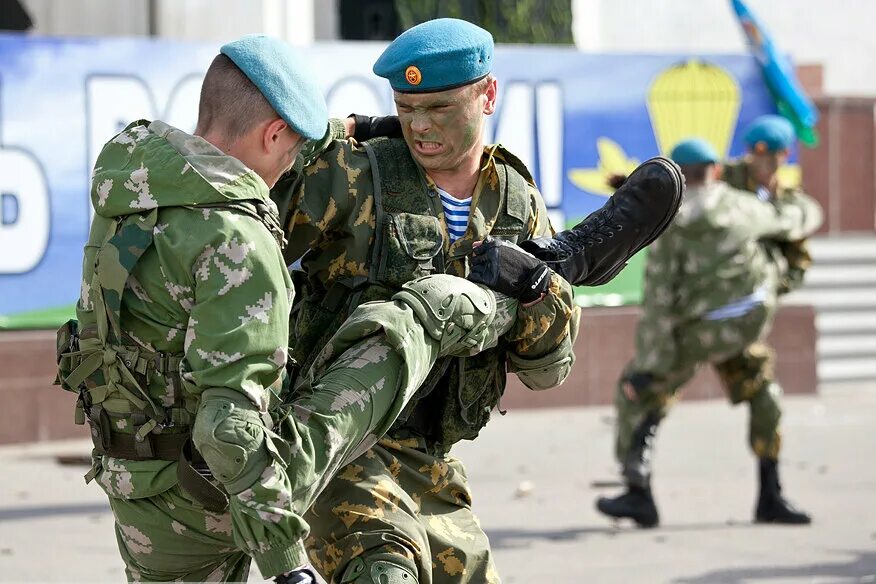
(302, 575)
(597, 249)
(771, 506)
(638, 502)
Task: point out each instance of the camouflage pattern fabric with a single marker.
(198, 282)
(333, 223)
(744, 363)
(334, 218)
(400, 503)
(795, 253)
(711, 257)
(372, 366)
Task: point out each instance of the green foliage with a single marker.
(509, 21)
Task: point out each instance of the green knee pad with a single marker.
(230, 435)
(378, 571)
(457, 313)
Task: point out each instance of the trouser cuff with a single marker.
(280, 559)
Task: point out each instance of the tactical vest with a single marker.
(456, 399)
(116, 379)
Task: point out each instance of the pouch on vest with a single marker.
(410, 246)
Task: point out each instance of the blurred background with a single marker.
(588, 88)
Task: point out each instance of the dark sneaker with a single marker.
(636, 504)
(597, 249)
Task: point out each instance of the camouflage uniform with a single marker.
(796, 253)
(181, 340)
(713, 256)
(372, 220)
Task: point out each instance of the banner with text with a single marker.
(573, 118)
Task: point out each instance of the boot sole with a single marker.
(676, 203)
(761, 521)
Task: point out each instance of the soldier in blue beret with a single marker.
(717, 310)
(769, 140)
(693, 151)
(183, 324)
(373, 216)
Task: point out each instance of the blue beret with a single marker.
(693, 151)
(284, 79)
(774, 132)
(437, 55)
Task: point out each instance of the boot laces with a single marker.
(593, 230)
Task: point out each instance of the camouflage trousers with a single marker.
(744, 363)
(400, 503)
(361, 382)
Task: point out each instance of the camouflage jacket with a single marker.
(796, 252)
(711, 256)
(208, 289)
(332, 222)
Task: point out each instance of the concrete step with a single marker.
(842, 287)
(843, 250)
(838, 275)
(843, 346)
(839, 323)
(837, 299)
(846, 369)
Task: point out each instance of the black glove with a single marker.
(371, 127)
(505, 268)
(302, 575)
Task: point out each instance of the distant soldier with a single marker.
(769, 140)
(711, 288)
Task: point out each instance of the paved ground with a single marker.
(535, 475)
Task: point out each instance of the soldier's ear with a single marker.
(272, 133)
(492, 93)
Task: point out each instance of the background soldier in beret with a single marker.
(769, 140)
(375, 215)
(711, 287)
(182, 332)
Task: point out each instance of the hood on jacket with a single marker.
(151, 165)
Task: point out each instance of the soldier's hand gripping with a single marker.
(505, 268)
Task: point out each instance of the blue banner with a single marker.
(573, 118)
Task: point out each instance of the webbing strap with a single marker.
(197, 485)
(377, 245)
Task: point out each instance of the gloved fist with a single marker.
(505, 268)
(303, 575)
(366, 127)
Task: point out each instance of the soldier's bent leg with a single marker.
(372, 366)
(653, 402)
(360, 383)
(636, 430)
